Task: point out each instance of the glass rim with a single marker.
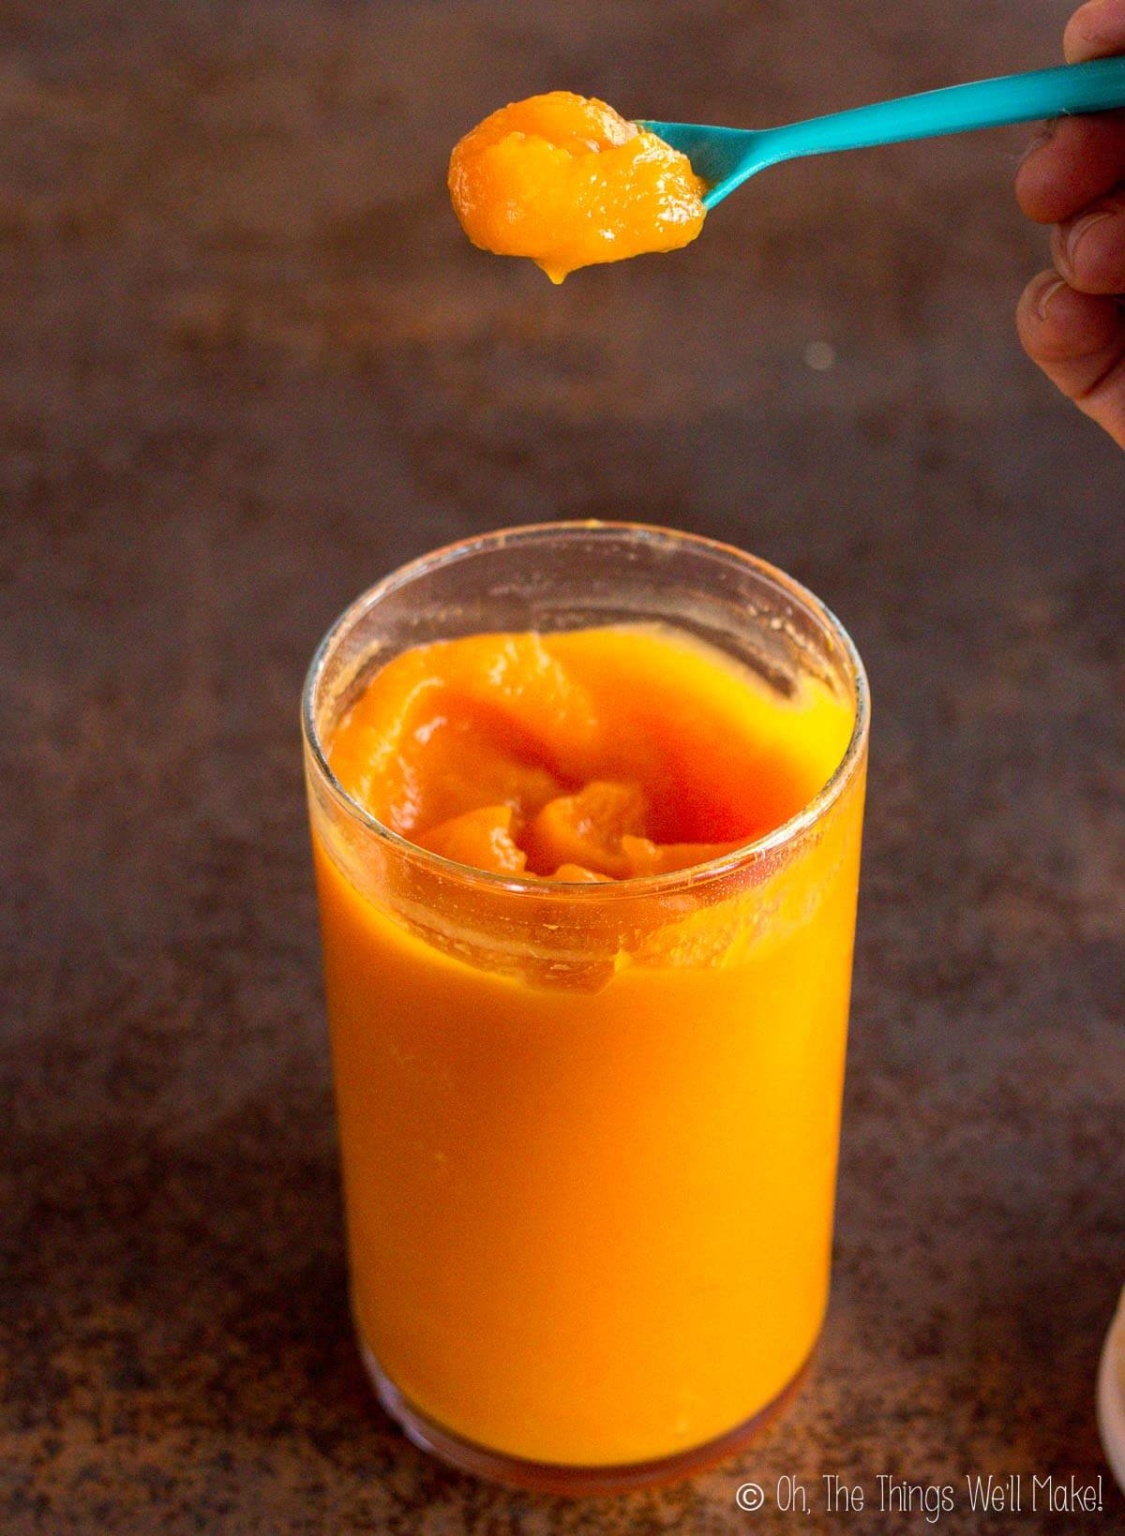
(545, 887)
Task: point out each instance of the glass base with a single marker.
(552, 1477)
(1111, 1395)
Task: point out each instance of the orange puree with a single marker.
(563, 179)
(589, 1130)
(608, 753)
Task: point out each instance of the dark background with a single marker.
(248, 363)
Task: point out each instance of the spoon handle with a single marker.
(1095, 86)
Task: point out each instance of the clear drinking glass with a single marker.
(589, 1132)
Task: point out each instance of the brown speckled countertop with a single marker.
(248, 363)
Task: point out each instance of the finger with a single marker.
(1079, 159)
(1089, 251)
(1095, 30)
(1079, 342)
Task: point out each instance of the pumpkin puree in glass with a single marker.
(565, 180)
(590, 1210)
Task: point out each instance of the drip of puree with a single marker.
(589, 1204)
(565, 180)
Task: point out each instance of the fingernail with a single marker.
(1078, 232)
(1042, 135)
(1046, 294)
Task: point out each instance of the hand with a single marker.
(1071, 320)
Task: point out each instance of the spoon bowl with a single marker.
(726, 157)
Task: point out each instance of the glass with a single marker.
(589, 1132)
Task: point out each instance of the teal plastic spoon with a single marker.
(726, 157)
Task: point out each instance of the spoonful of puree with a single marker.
(565, 180)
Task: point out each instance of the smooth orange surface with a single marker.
(566, 181)
(590, 1219)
